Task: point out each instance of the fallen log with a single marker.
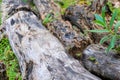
(41, 56)
(98, 62)
(82, 16)
(3, 74)
(74, 40)
(94, 57)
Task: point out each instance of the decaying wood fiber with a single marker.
(41, 56)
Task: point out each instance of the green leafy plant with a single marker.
(110, 28)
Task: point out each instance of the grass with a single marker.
(65, 4)
(7, 56)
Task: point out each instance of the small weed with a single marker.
(48, 19)
(91, 58)
(78, 54)
(111, 29)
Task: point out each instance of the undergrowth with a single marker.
(7, 56)
(110, 28)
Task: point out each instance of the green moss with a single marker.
(7, 56)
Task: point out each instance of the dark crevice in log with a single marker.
(29, 69)
(73, 22)
(102, 77)
(19, 36)
(3, 74)
(15, 10)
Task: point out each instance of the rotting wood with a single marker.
(41, 56)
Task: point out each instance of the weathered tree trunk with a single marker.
(73, 39)
(41, 56)
(3, 75)
(97, 61)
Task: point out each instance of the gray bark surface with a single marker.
(97, 61)
(41, 56)
(73, 39)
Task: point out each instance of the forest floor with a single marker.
(6, 54)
